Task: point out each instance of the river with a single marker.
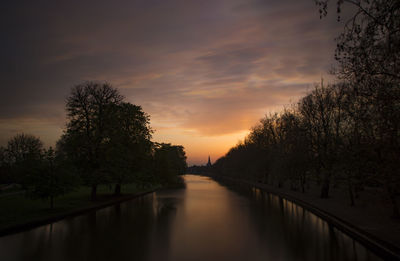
(204, 221)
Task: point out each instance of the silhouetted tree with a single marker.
(5, 173)
(129, 147)
(322, 113)
(169, 163)
(264, 136)
(294, 148)
(55, 178)
(345, 133)
(23, 154)
(369, 46)
(368, 53)
(85, 138)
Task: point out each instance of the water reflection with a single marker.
(305, 236)
(205, 221)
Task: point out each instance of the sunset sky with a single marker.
(205, 70)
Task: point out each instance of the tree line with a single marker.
(344, 133)
(106, 141)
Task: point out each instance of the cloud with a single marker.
(208, 68)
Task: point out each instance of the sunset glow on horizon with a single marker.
(205, 71)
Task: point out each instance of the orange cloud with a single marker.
(205, 71)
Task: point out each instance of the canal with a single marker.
(204, 221)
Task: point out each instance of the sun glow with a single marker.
(199, 147)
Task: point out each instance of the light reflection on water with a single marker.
(205, 221)
(314, 237)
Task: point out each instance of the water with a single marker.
(205, 221)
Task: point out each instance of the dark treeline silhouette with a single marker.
(201, 169)
(168, 161)
(346, 133)
(106, 141)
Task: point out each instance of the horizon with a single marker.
(204, 72)
(200, 130)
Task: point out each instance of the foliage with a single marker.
(22, 157)
(368, 53)
(5, 172)
(24, 147)
(169, 163)
(346, 133)
(109, 140)
(329, 136)
(85, 140)
(128, 150)
(55, 178)
(369, 46)
(106, 141)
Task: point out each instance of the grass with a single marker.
(17, 209)
(4, 189)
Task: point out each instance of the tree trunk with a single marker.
(51, 202)
(357, 189)
(93, 194)
(117, 190)
(351, 187)
(325, 188)
(351, 195)
(396, 212)
(393, 200)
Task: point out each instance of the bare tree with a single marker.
(368, 53)
(23, 154)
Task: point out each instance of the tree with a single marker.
(265, 137)
(129, 147)
(169, 163)
(294, 148)
(55, 178)
(319, 113)
(5, 175)
(24, 147)
(85, 138)
(368, 53)
(369, 46)
(23, 154)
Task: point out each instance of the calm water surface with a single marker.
(205, 221)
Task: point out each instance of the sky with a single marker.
(205, 71)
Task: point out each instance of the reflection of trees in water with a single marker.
(165, 212)
(119, 232)
(142, 229)
(134, 230)
(287, 230)
(166, 205)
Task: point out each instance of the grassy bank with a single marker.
(17, 209)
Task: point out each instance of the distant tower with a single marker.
(209, 162)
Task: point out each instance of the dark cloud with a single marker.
(210, 67)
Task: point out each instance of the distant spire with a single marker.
(209, 161)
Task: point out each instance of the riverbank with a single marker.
(18, 213)
(368, 222)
